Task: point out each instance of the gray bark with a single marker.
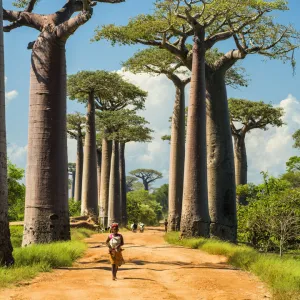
(195, 219)
(89, 204)
(114, 209)
(123, 197)
(177, 152)
(46, 208)
(79, 169)
(99, 157)
(220, 160)
(73, 184)
(105, 174)
(240, 159)
(6, 249)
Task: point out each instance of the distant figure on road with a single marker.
(166, 225)
(114, 243)
(134, 227)
(142, 227)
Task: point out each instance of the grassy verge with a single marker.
(41, 258)
(281, 275)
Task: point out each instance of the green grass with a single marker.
(32, 260)
(281, 275)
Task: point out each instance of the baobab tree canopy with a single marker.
(253, 115)
(124, 126)
(111, 91)
(147, 176)
(75, 124)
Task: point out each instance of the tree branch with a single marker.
(69, 27)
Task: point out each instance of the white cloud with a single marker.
(269, 150)
(10, 95)
(17, 154)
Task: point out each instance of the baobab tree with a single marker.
(147, 175)
(72, 172)
(253, 32)
(251, 115)
(107, 91)
(130, 180)
(6, 249)
(46, 208)
(156, 61)
(75, 124)
(123, 126)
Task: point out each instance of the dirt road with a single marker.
(153, 270)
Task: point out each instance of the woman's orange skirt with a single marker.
(116, 258)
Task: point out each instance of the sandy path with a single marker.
(153, 270)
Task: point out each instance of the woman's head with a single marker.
(115, 227)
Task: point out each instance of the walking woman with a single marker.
(114, 242)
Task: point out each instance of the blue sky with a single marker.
(271, 81)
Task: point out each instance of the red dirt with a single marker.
(153, 270)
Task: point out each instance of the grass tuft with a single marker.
(281, 274)
(32, 260)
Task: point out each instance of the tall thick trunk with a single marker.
(240, 161)
(220, 161)
(195, 217)
(99, 157)
(177, 150)
(73, 184)
(114, 209)
(46, 208)
(5, 244)
(105, 173)
(123, 198)
(89, 204)
(79, 168)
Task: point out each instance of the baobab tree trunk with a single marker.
(195, 217)
(46, 208)
(79, 169)
(5, 243)
(114, 209)
(240, 160)
(99, 157)
(89, 204)
(177, 150)
(105, 174)
(220, 160)
(146, 185)
(123, 197)
(73, 183)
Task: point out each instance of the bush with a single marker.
(74, 208)
(142, 207)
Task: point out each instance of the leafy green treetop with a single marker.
(75, 124)
(252, 115)
(109, 89)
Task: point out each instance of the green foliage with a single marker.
(282, 275)
(74, 208)
(161, 196)
(142, 207)
(271, 220)
(110, 90)
(123, 125)
(254, 114)
(75, 124)
(293, 164)
(293, 178)
(130, 180)
(296, 137)
(16, 192)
